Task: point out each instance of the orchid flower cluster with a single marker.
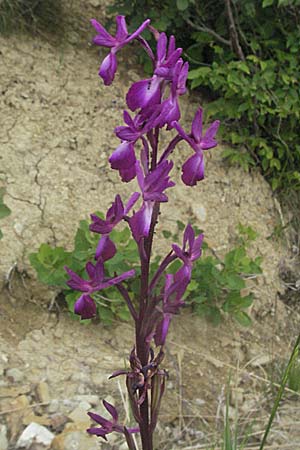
(154, 105)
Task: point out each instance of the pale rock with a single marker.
(96, 3)
(100, 379)
(53, 406)
(31, 417)
(89, 398)
(261, 360)
(15, 375)
(200, 212)
(35, 433)
(3, 438)
(75, 440)
(79, 414)
(42, 391)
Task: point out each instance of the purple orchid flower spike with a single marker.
(193, 168)
(104, 39)
(114, 215)
(108, 426)
(152, 186)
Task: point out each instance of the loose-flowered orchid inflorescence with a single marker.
(155, 104)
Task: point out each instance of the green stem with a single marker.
(284, 380)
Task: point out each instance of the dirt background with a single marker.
(57, 121)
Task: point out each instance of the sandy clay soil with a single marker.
(57, 122)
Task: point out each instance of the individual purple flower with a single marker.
(85, 305)
(170, 106)
(154, 183)
(152, 186)
(108, 426)
(104, 39)
(135, 128)
(175, 287)
(97, 280)
(166, 58)
(123, 158)
(193, 168)
(190, 251)
(114, 215)
(148, 92)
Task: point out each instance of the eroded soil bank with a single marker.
(57, 122)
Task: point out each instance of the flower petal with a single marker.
(123, 157)
(193, 170)
(162, 329)
(103, 38)
(85, 307)
(106, 249)
(143, 93)
(209, 140)
(108, 68)
(197, 125)
(127, 174)
(98, 432)
(161, 47)
(122, 32)
(118, 279)
(131, 202)
(111, 409)
(140, 221)
(136, 33)
(127, 134)
(100, 226)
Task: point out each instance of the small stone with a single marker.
(3, 438)
(58, 421)
(35, 433)
(42, 391)
(89, 398)
(74, 440)
(53, 406)
(14, 375)
(31, 417)
(200, 212)
(79, 414)
(96, 3)
(261, 360)
(99, 379)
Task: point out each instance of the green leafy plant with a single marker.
(216, 287)
(250, 76)
(49, 263)
(4, 210)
